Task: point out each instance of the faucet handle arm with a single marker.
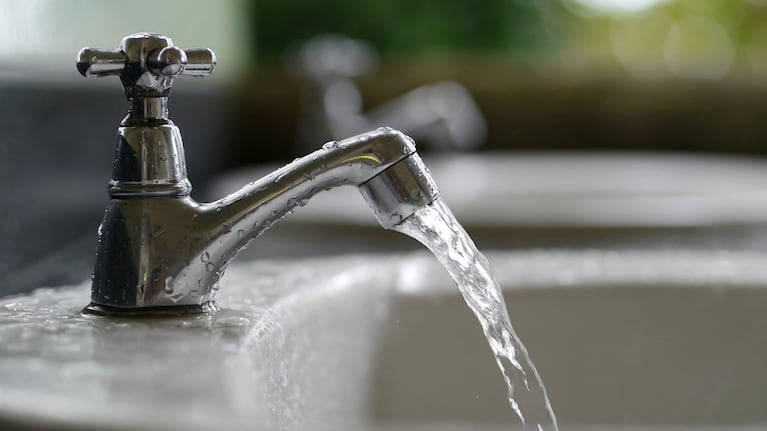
(100, 62)
(172, 60)
(201, 62)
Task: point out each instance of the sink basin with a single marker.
(657, 339)
(280, 354)
(623, 340)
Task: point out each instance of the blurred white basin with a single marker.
(648, 339)
(623, 340)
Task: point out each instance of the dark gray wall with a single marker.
(56, 148)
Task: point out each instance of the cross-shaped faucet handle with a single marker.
(146, 63)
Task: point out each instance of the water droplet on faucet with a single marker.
(168, 285)
(280, 176)
(396, 218)
(330, 145)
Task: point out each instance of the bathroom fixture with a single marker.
(442, 114)
(161, 251)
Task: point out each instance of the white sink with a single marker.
(657, 339)
(623, 340)
(293, 345)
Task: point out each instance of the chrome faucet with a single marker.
(159, 251)
(442, 114)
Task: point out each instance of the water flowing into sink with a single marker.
(436, 228)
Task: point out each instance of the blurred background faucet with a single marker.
(443, 115)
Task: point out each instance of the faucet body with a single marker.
(160, 250)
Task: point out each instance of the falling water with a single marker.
(436, 227)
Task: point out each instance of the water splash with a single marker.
(436, 227)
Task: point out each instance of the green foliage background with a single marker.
(411, 26)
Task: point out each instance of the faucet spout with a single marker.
(182, 247)
(383, 163)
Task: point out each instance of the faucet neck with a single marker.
(148, 108)
(149, 159)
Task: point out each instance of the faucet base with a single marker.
(94, 309)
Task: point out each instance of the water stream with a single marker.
(436, 227)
